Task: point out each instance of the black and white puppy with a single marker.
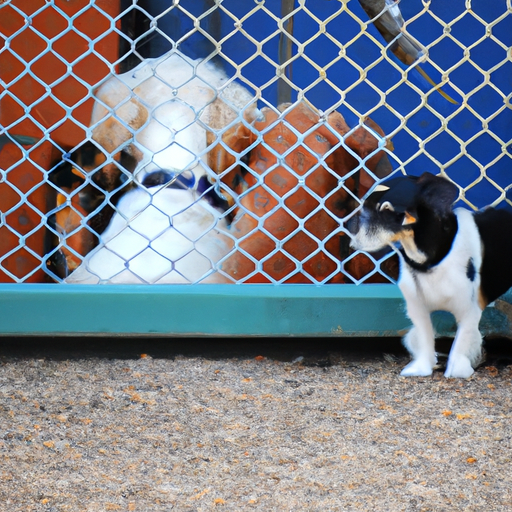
(450, 260)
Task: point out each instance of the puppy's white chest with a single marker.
(454, 283)
(443, 288)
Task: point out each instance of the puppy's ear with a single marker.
(437, 192)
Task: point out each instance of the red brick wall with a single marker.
(28, 106)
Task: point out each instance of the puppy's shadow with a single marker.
(497, 352)
(323, 352)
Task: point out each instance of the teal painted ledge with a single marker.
(496, 319)
(202, 310)
(220, 310)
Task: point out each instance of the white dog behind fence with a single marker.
(161, 112)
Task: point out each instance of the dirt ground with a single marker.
(254, 424)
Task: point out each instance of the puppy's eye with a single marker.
(386, 205)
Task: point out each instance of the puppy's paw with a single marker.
(417, 368)
(458, 367)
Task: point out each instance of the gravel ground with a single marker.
(293, 425)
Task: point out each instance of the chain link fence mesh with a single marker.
(229, 142)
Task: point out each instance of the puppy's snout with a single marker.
(353, 224)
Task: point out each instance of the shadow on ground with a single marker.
(310, 351)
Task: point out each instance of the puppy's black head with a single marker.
(397, 206)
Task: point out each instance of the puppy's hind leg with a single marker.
(466, 351)
(420, 342)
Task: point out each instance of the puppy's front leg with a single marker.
(419, 341)
(466, 351)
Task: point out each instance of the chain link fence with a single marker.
(229, 142)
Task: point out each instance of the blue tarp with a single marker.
(448, 52)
